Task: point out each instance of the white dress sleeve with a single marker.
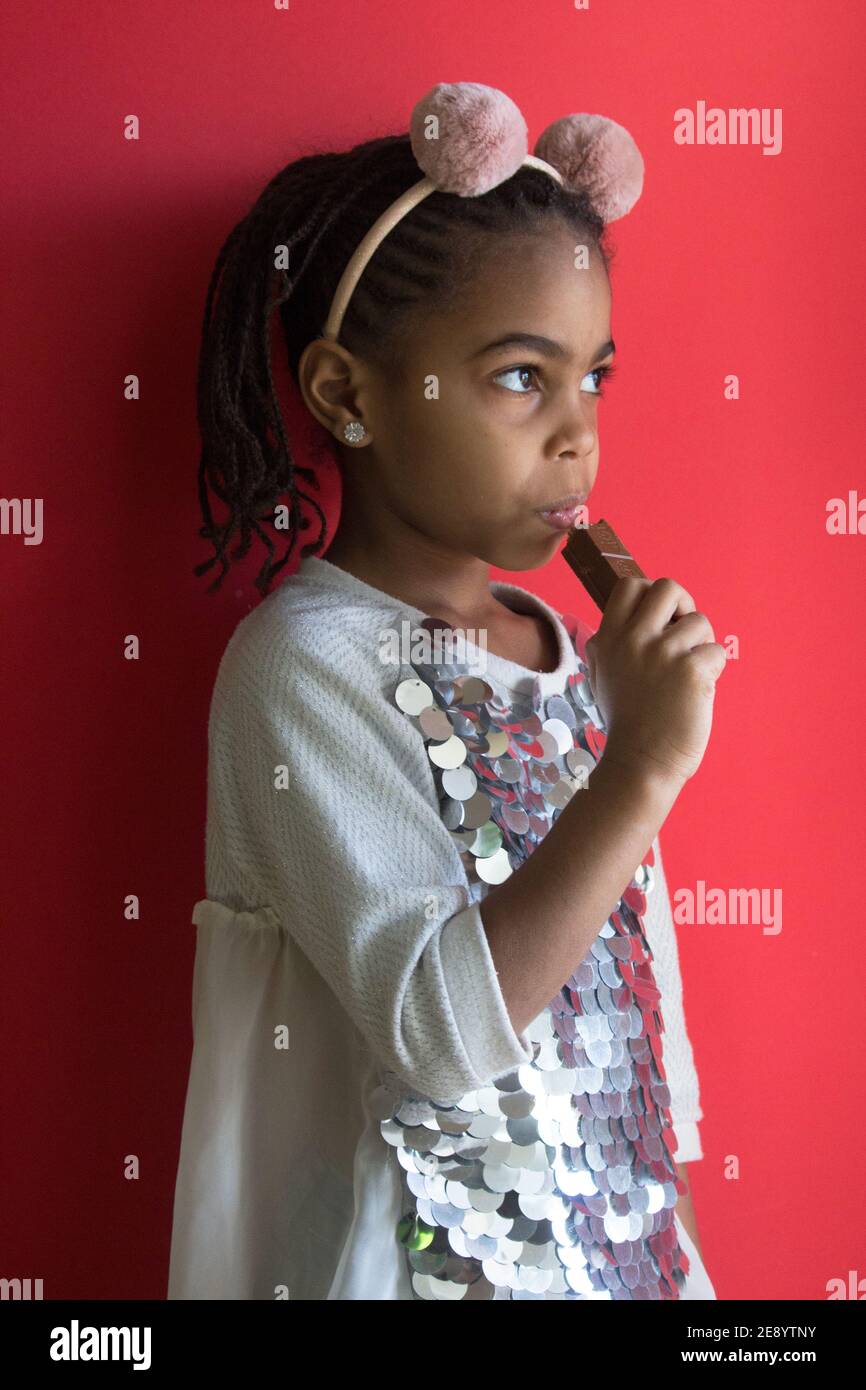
(323, 808)
(678, 1056)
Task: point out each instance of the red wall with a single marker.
(731, 262)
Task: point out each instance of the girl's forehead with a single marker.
(558, 301)
(527, 267)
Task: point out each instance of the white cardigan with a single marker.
(319, 961)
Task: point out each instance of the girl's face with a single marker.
(475, 435)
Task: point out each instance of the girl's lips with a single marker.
(561, 520)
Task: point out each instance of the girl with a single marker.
(439, 1045)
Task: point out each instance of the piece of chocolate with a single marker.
(598, 558)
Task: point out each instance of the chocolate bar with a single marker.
(598, 558)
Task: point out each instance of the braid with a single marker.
(320, 207)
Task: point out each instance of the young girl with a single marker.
(439, 1044)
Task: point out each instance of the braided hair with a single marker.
(320, 207)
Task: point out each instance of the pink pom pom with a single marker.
(595, 154)
(481, 139)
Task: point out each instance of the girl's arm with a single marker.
(680, 1071)
(547, 915)
(543, 919)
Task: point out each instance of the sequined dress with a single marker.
(557, 1182)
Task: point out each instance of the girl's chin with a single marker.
(529, 557)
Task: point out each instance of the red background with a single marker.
(732, 261)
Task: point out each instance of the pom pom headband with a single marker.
(468, 138)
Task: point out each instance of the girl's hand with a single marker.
(654, 678)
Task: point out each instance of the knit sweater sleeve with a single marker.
(322, 807)
(678, 1056)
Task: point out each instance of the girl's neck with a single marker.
(461, 596)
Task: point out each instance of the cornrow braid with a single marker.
(320, 207)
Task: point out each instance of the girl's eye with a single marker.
(516, 371)
(596, 376)
(603, 374)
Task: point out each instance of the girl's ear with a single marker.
(325, 381)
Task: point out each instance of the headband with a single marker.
(468, 138)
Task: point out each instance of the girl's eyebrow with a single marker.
(536, 342)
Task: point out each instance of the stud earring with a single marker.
(354, 432)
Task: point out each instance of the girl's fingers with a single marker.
(663, 602)
(693, 630)
(625, 596)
